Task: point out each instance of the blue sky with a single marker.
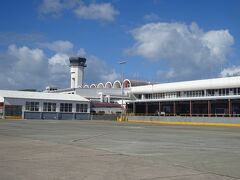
(161, 40)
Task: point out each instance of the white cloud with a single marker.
(96, 71)
(101, 11)
(58, 66)
(59, 59)
(24, 53)
(58, 46)
(230, 71)
(189, 51)
(26, 59)
(92, 11)
(50, 6)
(22, 67)
(55, 7)
(218, 42)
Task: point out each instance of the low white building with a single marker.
(40, 105)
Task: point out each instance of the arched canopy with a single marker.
(117, 84)
(93, 86)
(100, 85)
(86, 86)
(108, 85)
(126, 83)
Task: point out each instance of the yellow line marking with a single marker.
(186, 123)
(13, 117)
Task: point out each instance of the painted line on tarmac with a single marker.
(186, 123)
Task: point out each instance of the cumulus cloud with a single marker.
(58, 66)
(230, 71)
(58, 46)
(188, 50)
(55, 7)
(22, 67)
(96, 71)
(27, 60)
(92, 11)
(101, 11)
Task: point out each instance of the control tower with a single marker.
(77, 65)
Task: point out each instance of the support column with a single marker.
(229, 107)
(134, 108)
(4, 110)
(159, 108)
(146, 108)
(126, 108)
(209, 108)
(190, 108)
(174, 108)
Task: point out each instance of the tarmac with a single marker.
(108, 150)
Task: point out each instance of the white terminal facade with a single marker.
(208, 97)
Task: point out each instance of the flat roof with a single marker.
(40, 95)
(217, 83)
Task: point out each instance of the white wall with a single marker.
(22, 102)
(77, 76)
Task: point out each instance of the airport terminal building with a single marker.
(207, 97)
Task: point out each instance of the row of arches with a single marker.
(116, 84)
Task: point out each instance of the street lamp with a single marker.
(122, 88)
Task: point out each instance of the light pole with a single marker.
(122, 88)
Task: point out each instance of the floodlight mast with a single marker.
(122, 87)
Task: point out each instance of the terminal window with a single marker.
(32, 106)
(65, 107)
(81, 107)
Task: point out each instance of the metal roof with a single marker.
(40, 95)
(227, 82)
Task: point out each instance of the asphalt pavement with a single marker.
(107, 150)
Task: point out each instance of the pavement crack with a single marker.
(207, 172)
(185, 175)
(91, 137)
